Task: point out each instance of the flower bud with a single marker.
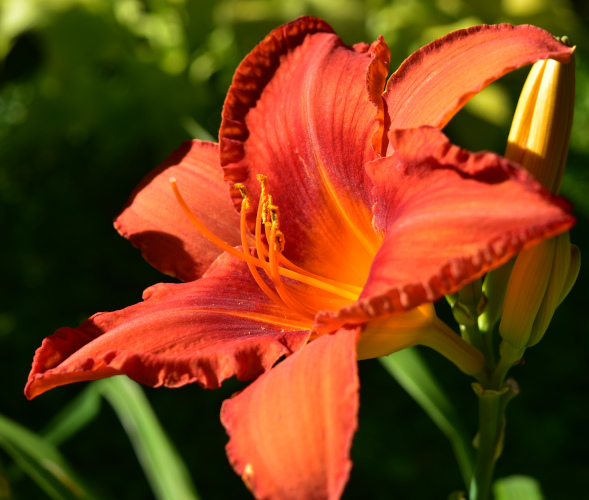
(542, 275)
(541, 127)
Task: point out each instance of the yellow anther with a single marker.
(266, 215)
(279, 242)
(265, 198)
(263, 180)
(274, 212)
(245, 204)
(286, 295)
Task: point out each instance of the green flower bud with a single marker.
(554, 291)
(541, 278)
(574, 269)
(527, 286)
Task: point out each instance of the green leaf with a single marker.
(517, 488)
(74, 417)
(165, 470)
(411, 371)
(41, 461)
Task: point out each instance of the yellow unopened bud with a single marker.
(539, 140)
(541, 127)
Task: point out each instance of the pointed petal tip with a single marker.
(199, 332)
(458, 66)
(291, 430)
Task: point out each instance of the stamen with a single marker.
(248, 258)
(245, 205)
(261, 216)
(302, 309)
(264, 208)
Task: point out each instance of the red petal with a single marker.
(291, 430)
(203, 331)
(301, 110)
(153, 221)
(438, 79)
(449, 216)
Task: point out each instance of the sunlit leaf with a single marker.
(517, 488)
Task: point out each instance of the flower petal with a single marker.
(291, 430)
(449, 217)
(153, 221)
(438, 79)
(301, 110)
(203, 331)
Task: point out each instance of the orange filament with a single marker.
(268, 214)
(293, 267)
(262, 217)
(274, 249)
(245, 204)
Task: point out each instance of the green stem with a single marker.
(490, 429)
(488, 348)
(492, 405)
(483, 341)
(509, 356)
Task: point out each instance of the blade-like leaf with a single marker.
(41, 461)
(412, 373)
(74, 417)
(163, 467)
(517, 488)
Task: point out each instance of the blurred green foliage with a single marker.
(95, 93)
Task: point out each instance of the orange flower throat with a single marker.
(306, 303)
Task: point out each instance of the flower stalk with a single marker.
(489, 441)
(526, 291)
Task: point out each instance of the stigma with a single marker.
(292, 287)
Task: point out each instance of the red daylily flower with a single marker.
(364, 242)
